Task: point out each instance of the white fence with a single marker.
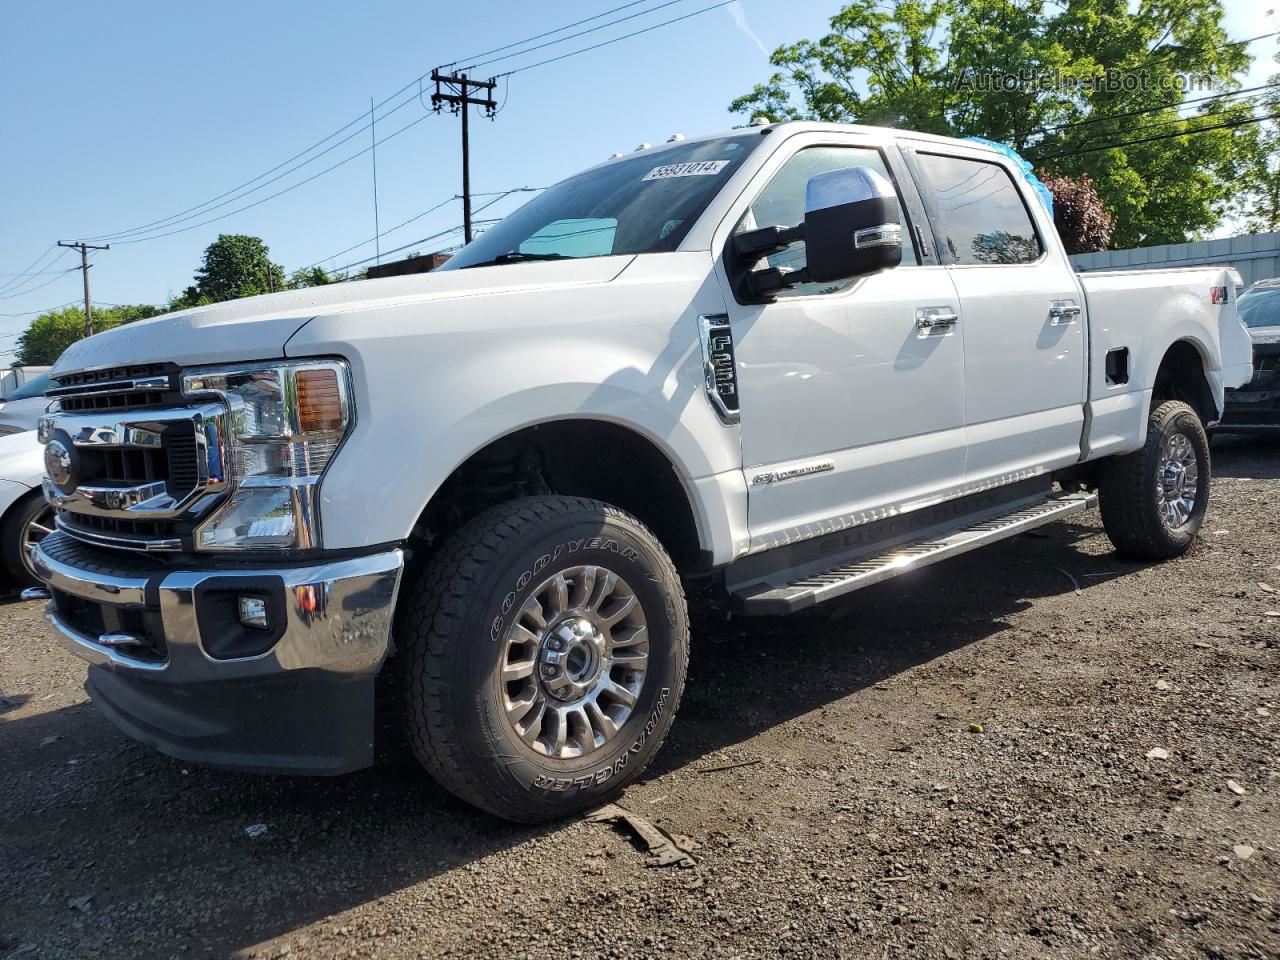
(1255, 255)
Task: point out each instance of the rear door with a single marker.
(1023, 315)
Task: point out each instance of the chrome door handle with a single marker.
(1063, 312)
(929, 319)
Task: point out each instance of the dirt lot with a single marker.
(956, 764)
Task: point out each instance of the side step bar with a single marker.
(766, 598)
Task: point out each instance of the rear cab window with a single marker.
(980, 215)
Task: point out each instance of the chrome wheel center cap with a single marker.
(1175, 478)
(570, 659)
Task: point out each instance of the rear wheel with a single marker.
(1153, 501)
(544, 650)
(27, 522)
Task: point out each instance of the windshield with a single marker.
(644, 204)
(1260, 308)
(35, 387)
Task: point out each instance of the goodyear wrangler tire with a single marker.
(1153, 500)
(543, 655)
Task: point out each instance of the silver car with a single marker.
(21, 409)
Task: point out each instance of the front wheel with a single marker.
(544, 650)
(26, 523)
(1153, 500)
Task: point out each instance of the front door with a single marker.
(852, 408)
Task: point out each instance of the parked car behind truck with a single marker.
(787, 361)
(1255, 407)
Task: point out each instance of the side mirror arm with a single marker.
(755, 245)
(763, 284)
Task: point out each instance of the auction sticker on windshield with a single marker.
(701, 168)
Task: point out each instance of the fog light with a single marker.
(253, 613)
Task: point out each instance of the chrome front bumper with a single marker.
(304, 705)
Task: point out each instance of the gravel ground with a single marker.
(1033, 751)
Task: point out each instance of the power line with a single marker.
(1230, 94)
(34, 264)
(39, 286)
(573, 36)
(435, 236)
(1240, 122)
(1179, 123)
(32, 273)
(32, 313)
(177, 219)
(259, 202)
(199, 208)
(625, 36)
(1157, 124)
(357, 246)
(418, 216)
(567, 26)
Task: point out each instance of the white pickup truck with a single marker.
(784, 362)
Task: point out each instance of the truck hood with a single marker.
(257, 328)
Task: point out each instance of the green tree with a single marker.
(49, 334)
(1259, 207)
(1041, 76)
(235, 265)
(313, 277)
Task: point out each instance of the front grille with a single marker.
(118, 526)
(110, 388)
(176, 463)
(140, 456)
(88, 378)
(115, 401)
(94, 619)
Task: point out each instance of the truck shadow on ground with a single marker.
(101, 815)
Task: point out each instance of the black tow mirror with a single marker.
(851, 225)
(850, 229)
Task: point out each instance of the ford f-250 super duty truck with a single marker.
(787, 361)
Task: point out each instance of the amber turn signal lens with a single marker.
(319, 400)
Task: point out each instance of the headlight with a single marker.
(286, 422)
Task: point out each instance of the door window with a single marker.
(781, 204)
(981, 214)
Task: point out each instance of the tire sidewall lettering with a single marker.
(499, 625)
(608, 772)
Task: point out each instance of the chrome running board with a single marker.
(772, 597)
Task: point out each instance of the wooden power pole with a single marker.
(453, 89)
(84, 249)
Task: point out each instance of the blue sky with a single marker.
(116, 115)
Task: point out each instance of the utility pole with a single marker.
(373, 138)
(84, 249)
(453, 90)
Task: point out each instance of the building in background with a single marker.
(1255, 255)
(14, 377)
(417, 264)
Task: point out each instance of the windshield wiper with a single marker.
(515, 256)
